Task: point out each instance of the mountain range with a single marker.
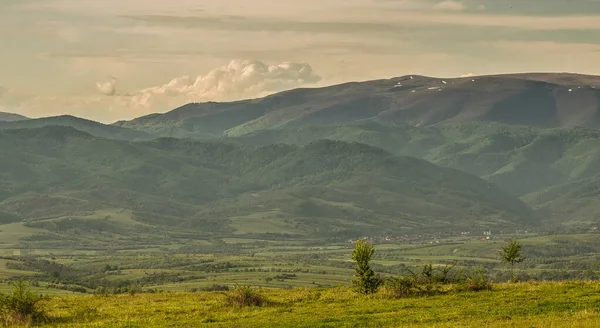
(535, 100)
(406, 155)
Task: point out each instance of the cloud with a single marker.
(108, 88)
(237, 80)
(450, 5)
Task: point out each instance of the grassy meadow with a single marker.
(543, 304)
(307, 286)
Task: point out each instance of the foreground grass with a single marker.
(570, 304)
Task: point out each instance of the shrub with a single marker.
(429, 281)
(22, 307)
(399, 287)
(243, 296)
(478, 281)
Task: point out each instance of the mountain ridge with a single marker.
(541, 100)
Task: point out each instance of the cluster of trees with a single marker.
(429, 280)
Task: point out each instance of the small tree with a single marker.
(512, 253)
(365, 281)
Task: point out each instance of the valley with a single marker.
(272, 191)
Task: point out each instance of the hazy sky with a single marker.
(117, 59)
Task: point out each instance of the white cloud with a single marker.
(450, 5)
(108, 88)
(240, 79)
(237, 80)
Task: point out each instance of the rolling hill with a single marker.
(520, 159)
(531, 163)
(537, 100)
(56, 178)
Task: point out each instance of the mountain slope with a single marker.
(10, 117)
(553, 170)
(578, 201)
(91, 127)
(540, 100)
(523, 132)
(324, 189)
(521, 160)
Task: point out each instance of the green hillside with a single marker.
(59, 179)
(523, 161)
(330, 162)
(520, 159)
(523, 132)
(91, 127)
(574, 203)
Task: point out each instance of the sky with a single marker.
(110, 60)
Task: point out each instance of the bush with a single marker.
(400, 287)
(243, 296)
(478, 281)
(22, 307)
(429, 281)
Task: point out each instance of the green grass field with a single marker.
(572, 304)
